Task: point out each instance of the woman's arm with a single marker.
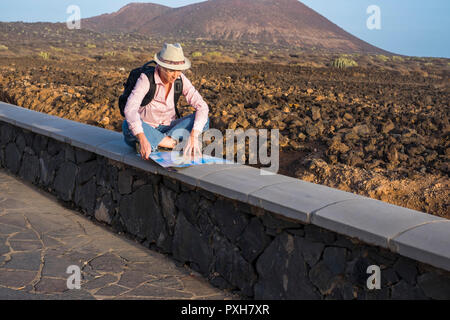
(132, 115)
(134, 103)
(194, 98)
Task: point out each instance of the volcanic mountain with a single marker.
(128, 19)
(286, 22)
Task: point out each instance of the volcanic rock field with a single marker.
(379, 129)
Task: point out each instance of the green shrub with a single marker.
(56, 49)
(397, 58)
(3, 47)
(343, 62)
(110, 54)
(382, 57)
(196, 54)
(90, 45)
(214, 53)
(44, 55)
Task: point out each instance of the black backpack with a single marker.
(149, 72)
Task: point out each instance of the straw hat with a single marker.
(171, 57)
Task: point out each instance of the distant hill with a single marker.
(287, 22)
(128, 19)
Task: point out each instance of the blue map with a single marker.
(174, 159)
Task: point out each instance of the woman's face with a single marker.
(169, 76)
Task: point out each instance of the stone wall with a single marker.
(236, 246)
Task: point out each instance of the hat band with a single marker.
(170, 62)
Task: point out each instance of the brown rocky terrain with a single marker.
(287, 22)
(380, 129)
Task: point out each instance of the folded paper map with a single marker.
(174, 159)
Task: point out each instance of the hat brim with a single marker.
(185, 66)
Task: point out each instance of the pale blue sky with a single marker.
(410, 27)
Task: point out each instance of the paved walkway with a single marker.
(40, 239)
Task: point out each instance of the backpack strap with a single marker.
(150, 73)
(178, 91)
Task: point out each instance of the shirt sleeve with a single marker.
(134, 102)
(194, 98)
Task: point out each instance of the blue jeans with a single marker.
(155, 135)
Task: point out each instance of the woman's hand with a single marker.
(145, 146)
(193, 147)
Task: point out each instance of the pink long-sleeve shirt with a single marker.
(159, 110)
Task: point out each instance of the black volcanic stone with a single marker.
(204, 222)
(404, 291)
(30, 168)
(104, 209)
(219, 282)
(406, 270)
(47, 168)
(12, 158)
(341, 291)
(317, 234)
(125, 181)
(28, 150)
(334, 258)
(64, 183)
(189, 245)
(321, 276)
(102, 173)
(29, 137)
(86, 172)
(171, 184)
(140, 214)
(388, 277)
(232, 267)
(206, 194)
(7, 133)
(39, 143)
(54, 146)
(20, 142)
(282, 271)
(187, 187)
(107, 176)
(377, 294)
(188, 203)
(82, 156)
(312, 251)
(253, 240)
(69, 153)
(85, 196)
(2, 156)
(230, 221)
(357, 271)
(435, 286)
(381, 256)
(169, 212)
(137, 183)
(270, 220)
